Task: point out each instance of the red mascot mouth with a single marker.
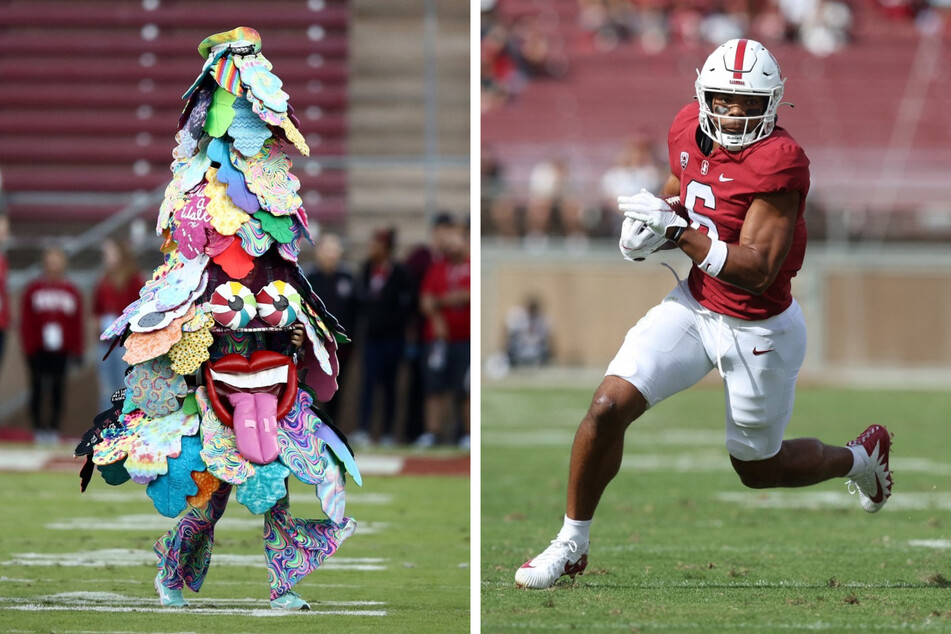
(252, 395)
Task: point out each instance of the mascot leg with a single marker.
(295, 548)
(184, 552)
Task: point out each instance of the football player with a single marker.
(742, 182)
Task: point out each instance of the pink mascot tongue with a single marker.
(255, 425)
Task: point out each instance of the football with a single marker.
(677, 206)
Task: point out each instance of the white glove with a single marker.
(637, 240)
(652, 211)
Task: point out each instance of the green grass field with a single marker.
(72, 562)
(679, 545)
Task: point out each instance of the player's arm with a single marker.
(765, 239)
(671, 187)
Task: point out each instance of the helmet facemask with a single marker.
(744, 68)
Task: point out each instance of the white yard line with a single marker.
(110, 602)
(831, 500)
(129, 557)
(155, 523)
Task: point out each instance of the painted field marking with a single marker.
(831, 500)
(696, 462)
(154, 523)
(130, 557)
(25, 459)
(111, 602)
(672, 437)
(130, 494)
(938, 544)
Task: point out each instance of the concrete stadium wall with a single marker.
(875, 315)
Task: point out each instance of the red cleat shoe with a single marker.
(874, 485)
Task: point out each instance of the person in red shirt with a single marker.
(51, 331)
(742, 183)
(444, 302)
(117, 288)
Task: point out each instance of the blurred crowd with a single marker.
(556, 204)
(407, 366)
(523, 42)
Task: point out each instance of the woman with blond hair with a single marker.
(118, 287)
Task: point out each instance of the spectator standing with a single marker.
(387, 299)
(528, 335)
(418, 263)
(51, 331)
(444, 301)
(117, 288)
(335, 285)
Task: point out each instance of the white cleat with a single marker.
(560, 559)
(874, 486)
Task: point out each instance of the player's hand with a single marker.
(637, 240)
(652, 211)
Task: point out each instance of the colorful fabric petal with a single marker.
(294, 136)
(278, 227)
(155, 388)
(257, 76)
(262, 490)
(220, 114)
(192, 222)
(321, 354)
(226, 217)
(267, 176)
(188, 354)
(254, 240)
(219, 449)
(226, 74)
(205, 69)
(331, 491)
(247, 129)
(121, 323)
(169, 491)
(158, 439)
(228, 175)
(193, 171)
(327, 434)
(142, 346)
(116, 441)
(298, 443)
(115, 473)
(291, 250)
(296, 547)
(207, 484)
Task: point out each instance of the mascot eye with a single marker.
(279, 304)
(233, 305)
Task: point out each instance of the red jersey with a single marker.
(52, 318)
(718, 190)
(442, 278)
(110, 301)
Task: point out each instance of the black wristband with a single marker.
(678, 232)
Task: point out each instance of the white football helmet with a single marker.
(741, 67)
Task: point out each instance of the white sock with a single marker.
(575, 530)
(860, 461)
